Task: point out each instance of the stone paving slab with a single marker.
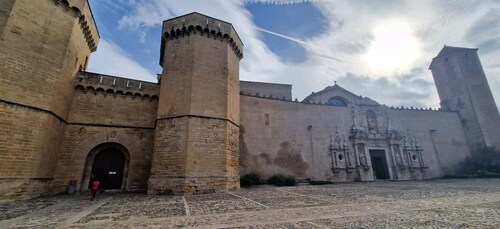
(415, 204)
(222, 206)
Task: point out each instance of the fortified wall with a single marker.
(329, 142)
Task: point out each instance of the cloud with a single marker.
(347, 36)
(110, 59)
(259, 64)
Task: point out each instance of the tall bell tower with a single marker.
(197, 127)
(462, 87)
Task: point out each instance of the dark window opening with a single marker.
(337, 101)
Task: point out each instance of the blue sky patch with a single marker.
(299, 21)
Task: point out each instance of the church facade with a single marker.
(199, 128)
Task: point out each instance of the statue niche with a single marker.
(371, 121)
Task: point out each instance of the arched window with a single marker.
(337, 101)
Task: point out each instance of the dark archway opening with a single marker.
(379, 164)
(108, 168)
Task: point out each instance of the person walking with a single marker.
(95, 187)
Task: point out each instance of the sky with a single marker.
(380, 49)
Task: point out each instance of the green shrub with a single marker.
(282, 180)
(483, 162)
(249, 180)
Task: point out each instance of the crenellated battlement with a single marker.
(89, 81)
(199, 24)
(89, 29)
(418, 109)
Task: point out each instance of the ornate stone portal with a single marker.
(400, 155)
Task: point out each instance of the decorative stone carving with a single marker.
(371, 121)
(397, 156)
(82, 131)
(413, 152)
(339, 152)
(140, 134)
(362, 159)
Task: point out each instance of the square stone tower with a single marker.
(197, 127)
(462, 86)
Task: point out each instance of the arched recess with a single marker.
(371, 121)
(105, 158)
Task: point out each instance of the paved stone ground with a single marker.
(381, 204)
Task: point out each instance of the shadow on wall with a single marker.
(288, 157)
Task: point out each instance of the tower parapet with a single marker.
(199, 24)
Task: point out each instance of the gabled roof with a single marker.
(336, 87)
(449, 51)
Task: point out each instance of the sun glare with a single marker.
(394, 48)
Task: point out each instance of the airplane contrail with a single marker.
(282, 36)
(277, 2)
(297, 41)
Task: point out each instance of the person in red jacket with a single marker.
(95, 187)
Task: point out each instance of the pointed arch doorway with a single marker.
(108, 163)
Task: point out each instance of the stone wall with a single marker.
(29, 144)
(277, 91)
(211, 162)
(112, 101)
(441, 135)
(294, 138)
(288, 137)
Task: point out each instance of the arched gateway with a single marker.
(108, 162)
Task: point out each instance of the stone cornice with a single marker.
(84, 24)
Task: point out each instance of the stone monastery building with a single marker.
(200, 127)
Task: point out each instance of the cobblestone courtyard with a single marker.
(382, 204)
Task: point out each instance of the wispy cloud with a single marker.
(112, 60)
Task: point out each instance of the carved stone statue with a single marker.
(362, 160)
(398, 158)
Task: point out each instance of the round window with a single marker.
(341, 157)
(414, 157)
